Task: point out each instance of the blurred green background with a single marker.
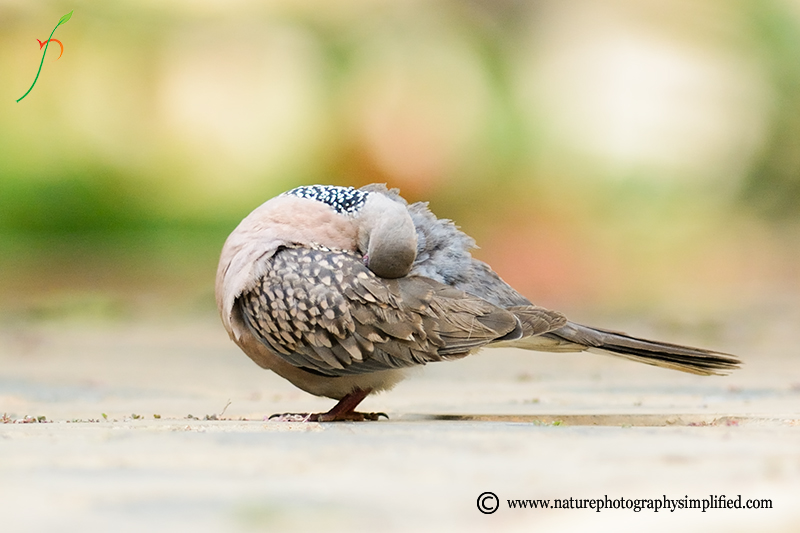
(626, 156)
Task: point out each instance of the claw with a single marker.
(344, 411)
(352, 416)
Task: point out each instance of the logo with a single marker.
(52, 41)
(488, 503)
(61, 21)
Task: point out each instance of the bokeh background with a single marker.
(617, 156)
(632, 163)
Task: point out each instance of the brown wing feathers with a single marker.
(324, 311)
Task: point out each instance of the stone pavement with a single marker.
(138, 438)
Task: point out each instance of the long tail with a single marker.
(575, 337)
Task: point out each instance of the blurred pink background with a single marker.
(621, 156)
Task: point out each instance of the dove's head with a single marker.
(386, 235)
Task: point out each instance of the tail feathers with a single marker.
(663, 354)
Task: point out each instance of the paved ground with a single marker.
(120, 452)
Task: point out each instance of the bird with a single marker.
(342, 290)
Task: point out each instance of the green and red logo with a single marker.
(61, 21)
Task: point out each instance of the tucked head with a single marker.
(386, 237)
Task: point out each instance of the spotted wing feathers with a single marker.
(324, 311)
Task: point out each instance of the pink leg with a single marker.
(342, 411)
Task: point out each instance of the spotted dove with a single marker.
(341, 290)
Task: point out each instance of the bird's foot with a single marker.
(352, 416)
(344, 411)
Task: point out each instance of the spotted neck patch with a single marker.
(345, 200)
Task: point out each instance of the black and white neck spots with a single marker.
(345, 200)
